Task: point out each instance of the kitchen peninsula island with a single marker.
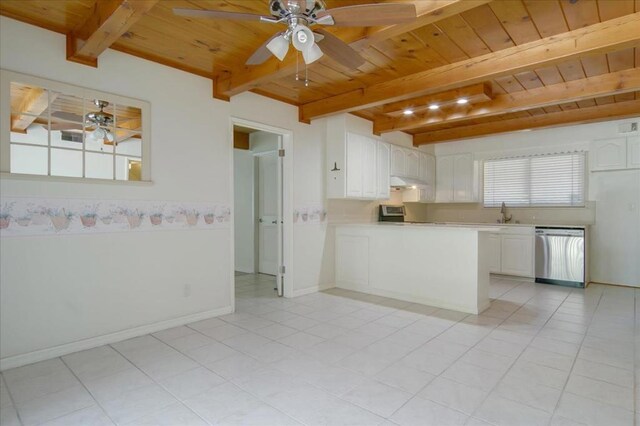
(445, 266)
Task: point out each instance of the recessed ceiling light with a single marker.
(462, 101)
(407, 111)
(434, 106)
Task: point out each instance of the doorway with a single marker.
(261, 193)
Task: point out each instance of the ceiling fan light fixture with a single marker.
(279, 46)
(312, 54)
(99, 134)
(302, 38)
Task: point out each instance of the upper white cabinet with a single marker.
(633, 152)
(615, 154)
(357, 165)
(383, 172)
(463, 178)
(397, 161)
(411, 163)
(354, 166)
(444, 179)
(608, 154)
(456, 179)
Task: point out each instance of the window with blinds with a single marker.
(537, 181)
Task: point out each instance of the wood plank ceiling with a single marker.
(526, 63)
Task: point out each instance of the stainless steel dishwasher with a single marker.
(560, 256)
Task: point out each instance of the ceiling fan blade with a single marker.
(262, 53)
(219, 14)
(67, 116)
(371, 15)
(339, 50)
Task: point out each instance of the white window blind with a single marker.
(536, 181)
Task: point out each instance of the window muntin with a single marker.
(46, 131)
(554, 180)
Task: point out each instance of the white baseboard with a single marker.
(93, 342)
(312, 289)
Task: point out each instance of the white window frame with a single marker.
(7, 77)
(585, 181)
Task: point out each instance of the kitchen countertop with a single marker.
(506, 224)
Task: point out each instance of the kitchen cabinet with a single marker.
(444, 179)
(512, 251)
(397, 161)
(354, 165)
(608, 154)
(633, 152)
(383, 171)
(456, 179)
(494, 253)
(517, 255)
(411, 161)
(357, 165)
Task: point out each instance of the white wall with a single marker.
(244, 218)
(59, 290)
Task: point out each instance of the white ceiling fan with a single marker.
(299, 15)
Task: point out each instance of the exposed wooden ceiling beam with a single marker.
(33, 103)
(573, 91)
(608, 36)
(109, 20)
(475, 94)
(563, 118)
(248, 78)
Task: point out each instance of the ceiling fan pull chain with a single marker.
(297, 56)
(306, 75)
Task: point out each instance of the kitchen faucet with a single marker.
(503, 212)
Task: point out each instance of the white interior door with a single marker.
(268, 213)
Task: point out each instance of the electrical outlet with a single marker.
(186, 292)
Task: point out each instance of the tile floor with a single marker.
(541, 355)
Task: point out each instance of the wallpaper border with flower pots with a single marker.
(50, 216)
(312, 213)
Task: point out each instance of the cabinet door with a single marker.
(431, 170)
(444, 179)
(412, 164)
(369, 168)
(384, 154)
(494, 253)
(397, 161)
(517, 255)
(423, 169)
(608, 154)
(633, 152)
(354, 165)
(463, 177)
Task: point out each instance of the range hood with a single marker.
(404, 182)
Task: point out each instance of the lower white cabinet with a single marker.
(511, 252)
(517, 255)
(494, 253)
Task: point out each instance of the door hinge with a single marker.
(283, 269)
(281, 153)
